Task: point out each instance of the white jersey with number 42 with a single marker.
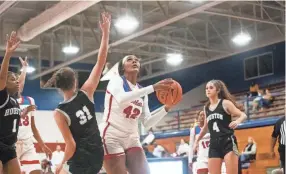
(123, 116)
(25, 129)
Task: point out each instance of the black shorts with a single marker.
(7, 153)
(86, 162)
(220, 146)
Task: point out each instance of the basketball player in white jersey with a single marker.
(25, 149)
(126, 103)
(201, 164)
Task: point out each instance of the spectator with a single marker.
(57, 157)
(149, 139)
(183, 149)
(279, 132)
(263, 100)
(253, 89)
(158, 150)
(249, 152)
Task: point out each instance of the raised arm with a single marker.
(22, 77)
(11, 45)
(92, 82)
(115, 88)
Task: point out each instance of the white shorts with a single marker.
(116, 143)
(27, 155)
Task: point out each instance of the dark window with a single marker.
(257, 66)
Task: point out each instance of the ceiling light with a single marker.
(241, 39)
(126, 24)
(174, 59)
(70, 49)
(30, 69)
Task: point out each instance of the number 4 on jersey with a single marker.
(84, 115)
(215, 127)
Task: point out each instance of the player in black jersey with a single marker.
(219, 111)
(75, 116)
(10, 112)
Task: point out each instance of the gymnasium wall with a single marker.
(261, 135)
(229, 70)
(48, 128)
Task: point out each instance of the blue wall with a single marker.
(230, 70)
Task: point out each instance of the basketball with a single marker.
(172, 96)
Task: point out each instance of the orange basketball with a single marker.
(172, 96)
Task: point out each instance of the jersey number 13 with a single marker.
(84, 115)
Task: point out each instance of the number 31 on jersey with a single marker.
(84, 115)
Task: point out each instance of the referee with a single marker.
(279, 132)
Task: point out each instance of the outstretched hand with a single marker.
(105, 23)
(12, 42)
(24, 63)
(165, 84)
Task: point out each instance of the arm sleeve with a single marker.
(4, 97)
(191, 143)
(149, 119)
(32, 102)
(115, 87)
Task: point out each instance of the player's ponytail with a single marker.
(51, 82)
(64, 79)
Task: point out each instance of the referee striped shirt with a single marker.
(280, 132)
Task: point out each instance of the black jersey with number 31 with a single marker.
(218, 121)
(80, 113)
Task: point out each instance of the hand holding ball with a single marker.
(170, 95)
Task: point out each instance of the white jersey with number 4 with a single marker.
(25, 129)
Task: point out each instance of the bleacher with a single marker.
(184, 119)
